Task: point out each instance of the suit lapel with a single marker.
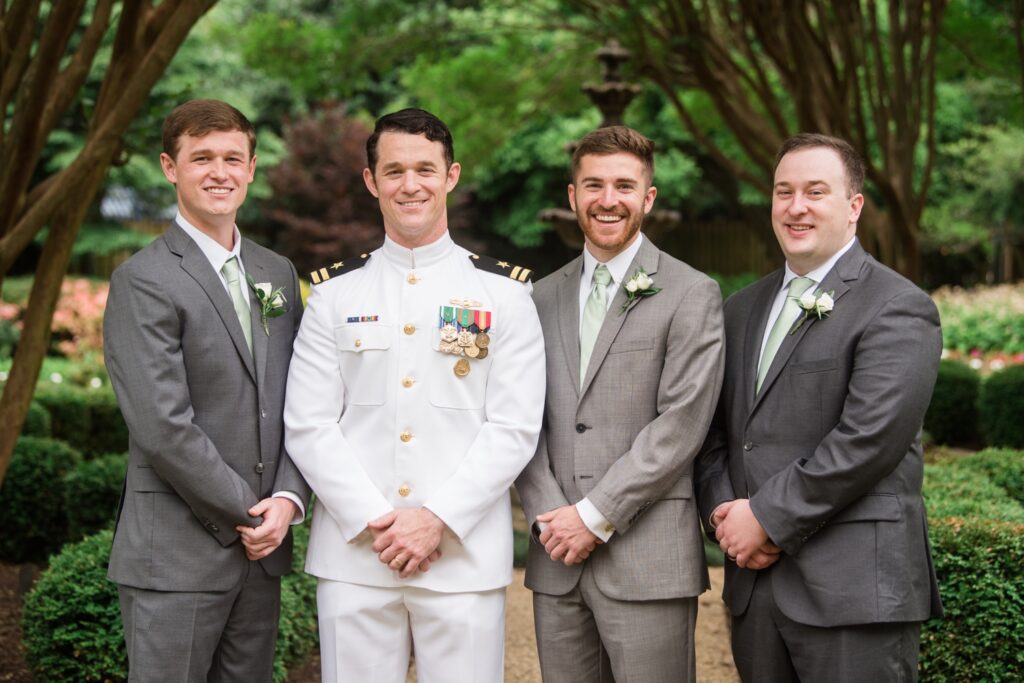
(756, 323)
(569, 317)
(647, 258)
(846, 269)
(195, 263)
(260, 338)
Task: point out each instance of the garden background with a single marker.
(930, 92)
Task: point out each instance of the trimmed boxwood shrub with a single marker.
(108, 432)
(1002, 407)
(32, 499)
(959, 489)
(71, 621)
(1004, 468)
(69, 411)
(91, 493)
(952, 416)
(37, 421)
(980, 565)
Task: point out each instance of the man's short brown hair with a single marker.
(852, 162)
(613, 140)
(197, 118)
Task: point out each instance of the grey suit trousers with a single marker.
(585, 636)
(224, 637)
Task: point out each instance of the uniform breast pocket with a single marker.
(363, 358)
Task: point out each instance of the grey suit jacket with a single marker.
(628, 438)
(204, 415)
(829, 450)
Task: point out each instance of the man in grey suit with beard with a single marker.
(634, 364)
(812, 470)
(197, 338)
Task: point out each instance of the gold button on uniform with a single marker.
(404, 490)
(411, 278)
(358, 343)
(406, 437)
(408, 382)
(409, 328)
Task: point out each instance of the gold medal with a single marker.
(482, 354)
(482, 340)
(465, 338)
(472, 351)
(461, 367)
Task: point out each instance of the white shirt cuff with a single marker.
(301, 516)
(595, 521)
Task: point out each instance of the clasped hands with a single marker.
(260, 541)
(741, 536)
(565, 537)
(407, 540)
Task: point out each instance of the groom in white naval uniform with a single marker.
(414, 399)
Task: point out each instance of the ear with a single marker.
(168, 167)
(252, 168)
(856, 205)
(572, 196)
(454, 171)
(652, 192)
(371, 184)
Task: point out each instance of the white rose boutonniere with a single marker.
(639, 285)
(818, 305)
(271, 300)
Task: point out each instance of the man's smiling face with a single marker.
(412, 182)
(212, 175)
(610, 194)
(813, 215)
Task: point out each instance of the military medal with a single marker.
(463, 331)
(482, 354)
(461, 367)
(473, 351)
(482, 340)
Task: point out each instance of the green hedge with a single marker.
(1002, 407)
(952, 416)
(37, 421)
(89, 419)
(91, 493)
(32, 499)
(71, 621)
(977, 534)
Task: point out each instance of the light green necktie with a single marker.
(593, 315)
(797, 286)
(232, 273)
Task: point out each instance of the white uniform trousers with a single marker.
(366, 633)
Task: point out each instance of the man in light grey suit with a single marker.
(634, 365)
(197, 338)
(812, 469)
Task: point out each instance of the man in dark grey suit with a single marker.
(811, 473)
(634, 364)
(197, 338)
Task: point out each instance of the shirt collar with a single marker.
(617, 265)
(420, 257)
(819, 273)
(216, 254)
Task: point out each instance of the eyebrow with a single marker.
(395, 164)
(786, 183)
(595, 179)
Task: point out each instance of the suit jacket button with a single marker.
(263, 414)
(214, 528)
(259, 468)
(748, 446)
(580, 427)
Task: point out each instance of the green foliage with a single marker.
(980, 566)
(952, 416)
(730, 284)
(955, 489)
(37, 421)
(982, 318)
(71, 621)
(713, 553)
(977, 536)
(91, 493)
(16, 289)
(520, 547)
(297, 630)
(69, 412)
(108, 432)
(1002, 407)
(32, 499)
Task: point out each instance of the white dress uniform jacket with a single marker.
(376, 418)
